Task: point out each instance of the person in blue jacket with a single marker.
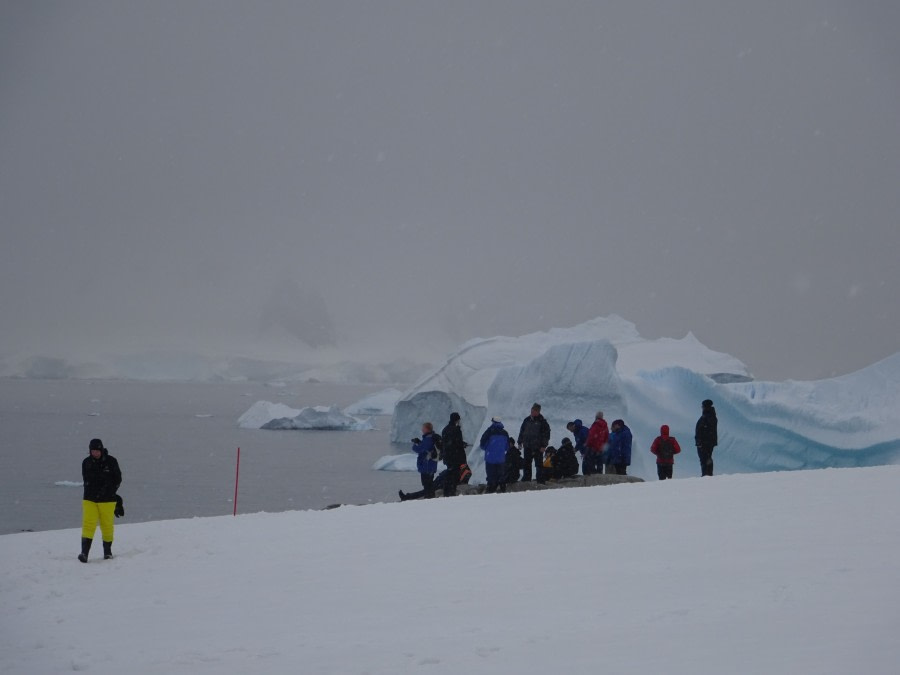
(580, 432)
(427, 460)
(495, 442)
(619, 451)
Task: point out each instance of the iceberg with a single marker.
(604, 364)
(379, 403)
(267, 415)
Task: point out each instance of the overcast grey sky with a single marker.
(435, 171)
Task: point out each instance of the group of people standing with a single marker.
(603, 448)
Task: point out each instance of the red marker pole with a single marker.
(237, 474)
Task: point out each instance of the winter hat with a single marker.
(454, 417)
(707, 404)
(664, 430)
(536, 406)
(495, 419)
(95, 444)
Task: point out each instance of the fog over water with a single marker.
(388, 179)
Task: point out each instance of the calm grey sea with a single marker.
(176, 444)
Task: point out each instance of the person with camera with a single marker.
(426, 462)
(454, 453)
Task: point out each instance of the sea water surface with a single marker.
(177, 445)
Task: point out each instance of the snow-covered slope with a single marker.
(605, 365)
(773, 573)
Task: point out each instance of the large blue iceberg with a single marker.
(604, 364)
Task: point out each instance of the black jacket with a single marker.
(513, 464)
(101, 477)
(534, 433)
(454, 448)
(565, 463)
(706, 434)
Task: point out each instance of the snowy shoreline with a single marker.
(742, 560)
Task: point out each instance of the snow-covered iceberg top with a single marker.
(379, 403)
(267, 415)
(474, 367)
(604, 364)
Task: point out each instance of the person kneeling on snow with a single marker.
(565, 462)
(495, 442)
(560, 462)
(446, 477)
(426, 462)
(665, 448)
(618, 454)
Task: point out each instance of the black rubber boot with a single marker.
(107, 550)
(85, 549)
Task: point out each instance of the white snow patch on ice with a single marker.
(69, 483)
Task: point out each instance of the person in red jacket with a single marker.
(598, 436)
(665, 448)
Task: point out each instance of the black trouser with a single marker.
(664, 471)
(451, 480)
(591, 462)
(496, 477)
(621, 469)
(706, 460)
(428, 484)
(533, 455)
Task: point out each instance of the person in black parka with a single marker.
(706, 437)
(454, 453)
(565, 463)
(534, 437)
(513, 462)
(102, 477)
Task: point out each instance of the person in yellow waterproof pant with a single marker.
(102, 477)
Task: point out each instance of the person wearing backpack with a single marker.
(665, 447)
